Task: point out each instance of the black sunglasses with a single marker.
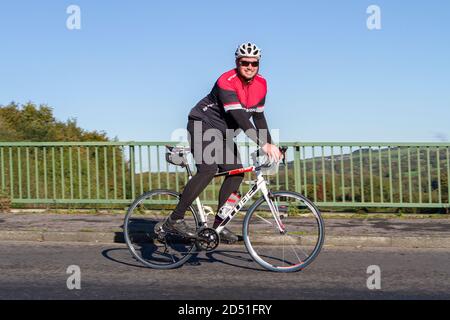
(247, 63)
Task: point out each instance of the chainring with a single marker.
(207, 239)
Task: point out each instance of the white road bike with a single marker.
(283, 231)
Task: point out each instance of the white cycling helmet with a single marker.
(249, 50)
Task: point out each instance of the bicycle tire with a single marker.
(137, 226)
(301, 230)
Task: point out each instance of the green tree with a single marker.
(29, 122)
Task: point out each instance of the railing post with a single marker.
(297, 169)
(3, 170)
(133, 191)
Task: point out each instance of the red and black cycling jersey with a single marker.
(230, 93)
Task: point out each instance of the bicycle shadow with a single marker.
(142, 232)
(232, 257)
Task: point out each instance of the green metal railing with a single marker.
(382, 175)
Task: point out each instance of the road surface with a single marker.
(31, 270)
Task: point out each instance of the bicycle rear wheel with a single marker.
(287, 251)
(143, 235)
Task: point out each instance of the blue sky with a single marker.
(136, 68)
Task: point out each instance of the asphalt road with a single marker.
(32, 270)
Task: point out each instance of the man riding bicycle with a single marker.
(237, 96)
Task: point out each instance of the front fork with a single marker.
(270, 199)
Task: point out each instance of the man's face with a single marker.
(246, 67)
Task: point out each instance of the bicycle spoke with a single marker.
(265, 220)
(295, 252)
(302, 251)
(296, 245)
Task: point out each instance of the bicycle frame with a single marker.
(260, 185)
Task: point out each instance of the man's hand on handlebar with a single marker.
(273, 152)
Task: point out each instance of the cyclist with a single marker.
(237, 96)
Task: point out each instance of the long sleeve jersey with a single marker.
(232, 102)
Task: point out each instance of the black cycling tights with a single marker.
(206, 172)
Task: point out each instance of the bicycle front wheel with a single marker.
(285, 234)
(143, 236)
